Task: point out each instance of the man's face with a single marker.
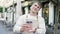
(35, 7)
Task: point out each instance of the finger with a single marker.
(24, 24)
(28, 29)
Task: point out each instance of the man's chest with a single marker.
(32, 20)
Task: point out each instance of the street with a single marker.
(4, 30)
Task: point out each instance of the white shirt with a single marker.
(36, 22)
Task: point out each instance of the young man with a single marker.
(31, 23)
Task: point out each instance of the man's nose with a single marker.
(35, 7)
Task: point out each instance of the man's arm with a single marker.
(41, 29)
(18, 25)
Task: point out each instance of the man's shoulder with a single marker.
(22, 16)
(40, 17)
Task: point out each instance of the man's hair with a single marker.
(39, 3)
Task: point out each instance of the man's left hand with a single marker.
(33, 30)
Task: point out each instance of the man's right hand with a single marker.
(23, 27)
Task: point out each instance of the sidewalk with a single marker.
(4, 30)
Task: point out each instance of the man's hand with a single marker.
(23, 27)
(33, 30)
(28, 28)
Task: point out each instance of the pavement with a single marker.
(4, 30)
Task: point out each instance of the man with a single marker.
(31, 23)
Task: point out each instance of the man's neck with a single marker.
(33, 13)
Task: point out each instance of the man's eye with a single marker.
(35, 5)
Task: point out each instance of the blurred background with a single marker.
(10, 10)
